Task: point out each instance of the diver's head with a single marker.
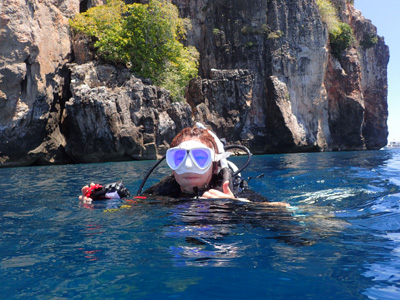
(195, 133)
(193, 158)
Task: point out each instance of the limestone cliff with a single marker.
(300, 98)
(267, 79)
(117, 116)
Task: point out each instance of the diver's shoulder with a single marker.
(165, 187)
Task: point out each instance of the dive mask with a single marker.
(190, 157)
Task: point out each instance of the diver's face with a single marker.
(188, 180)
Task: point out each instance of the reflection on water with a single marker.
(386, 271)
(339, 240)
(205, 229)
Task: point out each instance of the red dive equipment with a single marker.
(115, 190)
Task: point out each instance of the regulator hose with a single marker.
(249, 156)
(148, 175)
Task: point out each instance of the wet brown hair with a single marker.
(195, 133)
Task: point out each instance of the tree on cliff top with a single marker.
(146, 38)
(340, 34)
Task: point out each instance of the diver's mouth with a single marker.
(191, 177)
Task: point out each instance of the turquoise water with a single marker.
(340, 239)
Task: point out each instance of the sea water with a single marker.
(340, 239)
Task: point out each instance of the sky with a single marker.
(385, 15)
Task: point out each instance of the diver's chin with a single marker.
(190, 182)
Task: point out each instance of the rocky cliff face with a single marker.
(118, 117)
(35, 45)
(267, 79)
(299, 97)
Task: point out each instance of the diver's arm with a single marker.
(227, 193)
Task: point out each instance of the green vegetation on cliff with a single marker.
(369, 40)
(145, 37)
(340, 34)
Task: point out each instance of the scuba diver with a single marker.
(198, 160)
(201, 220)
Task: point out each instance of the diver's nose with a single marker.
(188, 162)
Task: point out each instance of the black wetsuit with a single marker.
(168, 187)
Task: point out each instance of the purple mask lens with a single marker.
(179, 156)
(201, 157)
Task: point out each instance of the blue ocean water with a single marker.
(339, 240)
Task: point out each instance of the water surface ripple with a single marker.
(339, 240)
